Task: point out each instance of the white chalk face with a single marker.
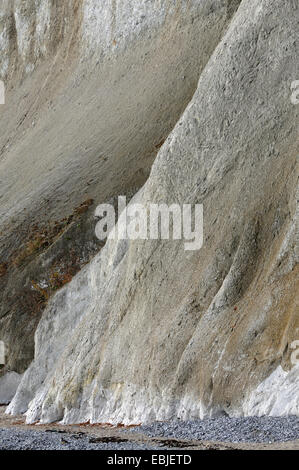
(295, 92)
(2, 353)
(2, 92)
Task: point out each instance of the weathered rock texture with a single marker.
(149, 331)
(92, 91)
(8, 386)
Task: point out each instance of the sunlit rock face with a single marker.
(150, 331)
(277, 395)
(92, 91)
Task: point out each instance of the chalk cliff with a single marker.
(147, 330)
(92, 91)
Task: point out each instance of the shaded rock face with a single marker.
(163, 332)
(92, 91)
(8, 386)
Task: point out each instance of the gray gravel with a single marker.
(15, 439)
(225, 429)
